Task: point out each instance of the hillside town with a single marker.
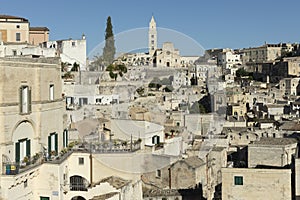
(154, 125)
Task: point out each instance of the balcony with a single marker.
(116, 146)
(14, 168)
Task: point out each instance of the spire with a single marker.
(152, 19)
(152, 22)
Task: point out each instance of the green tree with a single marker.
(109, 49)
(241, 72)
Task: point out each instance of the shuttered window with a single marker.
(22, 149)
(25, 99)
(65, 138)
(53, 144)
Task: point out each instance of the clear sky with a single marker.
(213, 24)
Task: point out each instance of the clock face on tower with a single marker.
(168, 52)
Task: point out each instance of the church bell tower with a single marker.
(152, 37)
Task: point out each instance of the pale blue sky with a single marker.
(213, 24)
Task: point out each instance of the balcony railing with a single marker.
(13, 168)
(110, 147)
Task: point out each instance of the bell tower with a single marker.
(152, 37)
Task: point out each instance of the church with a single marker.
(167, 56)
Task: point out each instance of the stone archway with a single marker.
(22, 138)
(22, 130)
(78, 183)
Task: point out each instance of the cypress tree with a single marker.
(109, 48)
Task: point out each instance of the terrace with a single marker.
(14, 168)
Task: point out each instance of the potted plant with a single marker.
(53, 153)
(25, 161)
(36, 157)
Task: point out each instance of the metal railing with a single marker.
(14, 168)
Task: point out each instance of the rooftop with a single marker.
(105, 196)
(193, 161)
(38, 29)
(275, 141)
(7, 17)
(291, 126)
(115, 181)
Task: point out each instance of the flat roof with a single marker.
(275, 141)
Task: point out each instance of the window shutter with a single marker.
(29, 100)
(17, 152)
(20, 100)
(49, 145)
(153, 140)
(157, 139)
(28, 153)
(67, 136)
(56, 143)
(64, 138)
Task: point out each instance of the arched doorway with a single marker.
(22, 138)
(78, 198)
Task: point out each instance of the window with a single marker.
(152, 36)
(158, 173)
(83, 101)
(14, 52)
(25, 99)
(238, 180)
(44, 198)
(152, 41)
(51, 92)
(155, 139)
(22, 150)
(81, 161)
(18, 37)
(73, 44)
(65, 138)
(53, 144)
(17, 26)
(78, 183)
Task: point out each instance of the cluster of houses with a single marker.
(224, 125)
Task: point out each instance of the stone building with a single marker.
(289, 86)
(182, 174)
(264, 53)
(38, 35)
(70, 51)
(17, 30)
(249, 183)
(277, 152)
(14, 29)
(30, 97)
(167, 56)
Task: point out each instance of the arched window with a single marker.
(78, 183)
